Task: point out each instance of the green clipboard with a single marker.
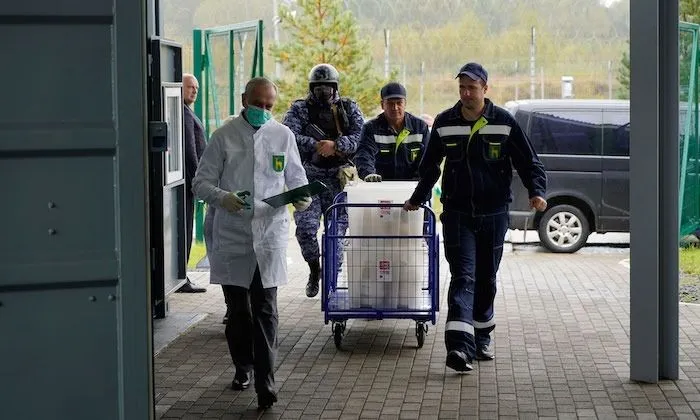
(287, 197)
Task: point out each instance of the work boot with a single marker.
(314, 278)
(485, 352)
(456, 360)
(240, 381)
(266, 400)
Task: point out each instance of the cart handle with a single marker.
(330, 215)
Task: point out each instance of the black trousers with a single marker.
(189, 216)
(473, 249)
(251, 331)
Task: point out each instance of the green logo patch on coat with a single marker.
(494, 150)
(278, 162)
(414, 154)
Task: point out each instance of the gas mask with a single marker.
(323, 93)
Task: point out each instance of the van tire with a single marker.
(572, 233)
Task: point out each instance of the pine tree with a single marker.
(322, 31)
(689, 11)
(623, 75)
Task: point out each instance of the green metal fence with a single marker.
(225, 58)
(689, 194)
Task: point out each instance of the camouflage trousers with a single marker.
(309, 221)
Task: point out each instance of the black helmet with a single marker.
(324, 73)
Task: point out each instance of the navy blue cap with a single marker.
(474, 71)
(393, 90)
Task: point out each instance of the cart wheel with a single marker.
(421, 329)
(338, 332)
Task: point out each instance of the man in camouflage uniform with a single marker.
(327, 129)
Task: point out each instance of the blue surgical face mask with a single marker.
(257, 116)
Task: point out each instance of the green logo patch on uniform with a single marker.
(494, 150)
(414, 154)
(278, 162)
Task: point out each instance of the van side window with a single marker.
(566, 132)
(523, 119)
(616, 133)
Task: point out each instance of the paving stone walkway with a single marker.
(562, 351)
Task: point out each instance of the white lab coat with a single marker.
(240, 158)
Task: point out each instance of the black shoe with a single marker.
(190, 288)
(458, 361)
(485, 352)
(240, 382)
(266, 400)
(311, 288)
(314, 278)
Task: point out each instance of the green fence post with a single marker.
(197, 68)
(688, 197)
(232, 74)
(199, 220)
(260, 51)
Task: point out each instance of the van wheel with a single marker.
(563, 228)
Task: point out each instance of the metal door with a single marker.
(167, 173)
(74, 290)
(615, 204)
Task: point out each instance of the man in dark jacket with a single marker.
(194, 147)
(479, 142)
(392, 144)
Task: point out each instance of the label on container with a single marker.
(384, 210)
(384, 271)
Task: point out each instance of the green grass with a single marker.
(690, 274)
(197, 252)
(690, 260)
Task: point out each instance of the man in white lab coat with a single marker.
(249, 158)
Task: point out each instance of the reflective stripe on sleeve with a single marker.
(454, 130)
(495, 129)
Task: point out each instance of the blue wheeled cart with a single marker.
(374, 276)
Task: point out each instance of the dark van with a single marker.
(584, 146)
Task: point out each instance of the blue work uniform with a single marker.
(476, 191)
(393, 155)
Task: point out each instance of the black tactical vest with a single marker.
(323, 117)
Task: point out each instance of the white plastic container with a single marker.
(385, 273)
(383, 276)
(413, 275)
(373, 276)
(383, 221)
